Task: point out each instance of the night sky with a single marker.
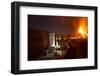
(56, 24)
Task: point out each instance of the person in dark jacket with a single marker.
(71, 52)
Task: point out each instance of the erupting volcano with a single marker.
(81, 31)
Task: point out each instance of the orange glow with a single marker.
(81, 31)
(82, 28)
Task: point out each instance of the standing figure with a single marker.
(71, 51)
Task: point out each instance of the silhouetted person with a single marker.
(71, 52)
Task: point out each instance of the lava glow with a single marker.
(82, 32)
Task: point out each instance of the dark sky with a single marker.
(56, 24)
